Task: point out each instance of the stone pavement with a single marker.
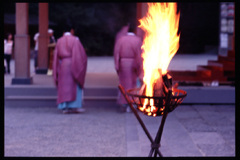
(103, 131)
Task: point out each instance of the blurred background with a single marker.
(96, 24)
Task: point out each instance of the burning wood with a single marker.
(167, 79)
(158, 85)
(161, 89)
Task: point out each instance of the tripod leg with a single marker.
(150, 153)
(159, 153)
(143, 125)
(136, 114)
(159, 135)
(160, 130)
(155, 153)
(155, 150)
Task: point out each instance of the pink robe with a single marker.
(128, 62)
(69, 67)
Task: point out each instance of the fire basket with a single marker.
(164, 104)
(160, 103)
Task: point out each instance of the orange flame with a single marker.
(160, 43)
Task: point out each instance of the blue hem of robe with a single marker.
(73, 104)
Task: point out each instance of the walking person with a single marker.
(123, 31)
(35, 38)
(69, 70)
(8, 49)
(51, 46)
(51, 36)
(128, 63)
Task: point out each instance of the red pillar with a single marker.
(142, 9)
(22, 46)
(43, 39)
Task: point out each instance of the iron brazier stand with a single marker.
(167, 102)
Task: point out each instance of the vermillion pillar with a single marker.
(142, 9)
(22, 46)
(43, 39)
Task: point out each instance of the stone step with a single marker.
(55, 97)
(203, 71)
(209, 95)
(195, 95)
(211, 72)
(225, 64)
(38, 102)
(215, 63)
(26, 90)
(226, 58)
(35, 95)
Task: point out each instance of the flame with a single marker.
(160, 44)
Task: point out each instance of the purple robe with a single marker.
(128, 62)
(69, 67)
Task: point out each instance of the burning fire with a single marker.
(160, 44)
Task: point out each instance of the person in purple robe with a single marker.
(128, 63)
(122, 32)
(69, 70)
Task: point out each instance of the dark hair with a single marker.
(8, 35)
(68, 26)
(131, 27)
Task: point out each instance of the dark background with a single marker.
(97, 23)
(199, 26)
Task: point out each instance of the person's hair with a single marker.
(7, 35)
(131, 27)
(68, 26)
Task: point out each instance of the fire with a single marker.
(160, 44)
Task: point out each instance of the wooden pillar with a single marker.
(22, 46)
(43, 39)
(142, 9)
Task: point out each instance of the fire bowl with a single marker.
(160, 103)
